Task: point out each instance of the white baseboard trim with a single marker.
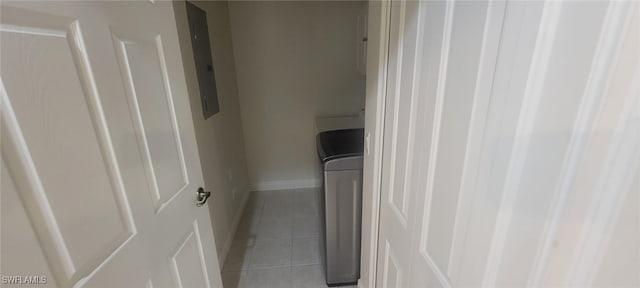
(285, 184)
(222, 257)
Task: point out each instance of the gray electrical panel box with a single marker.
(204, 62)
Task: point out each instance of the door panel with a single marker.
(18, 244)
(98, 139)
(536, 159)
(392, 274)
(462, 71)
(187, 257)
(524, 156)
(393, 245)
(42, 57)
(447, 52)
(142, 64)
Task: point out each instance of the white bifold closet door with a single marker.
(511, 145)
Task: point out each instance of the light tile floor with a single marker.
(277, 244)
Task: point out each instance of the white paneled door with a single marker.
(511, 145)
(99, 162)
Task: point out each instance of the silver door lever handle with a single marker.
(202, 196)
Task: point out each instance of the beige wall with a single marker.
(220, 140)
(294, 61)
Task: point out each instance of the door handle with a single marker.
(202, 197)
